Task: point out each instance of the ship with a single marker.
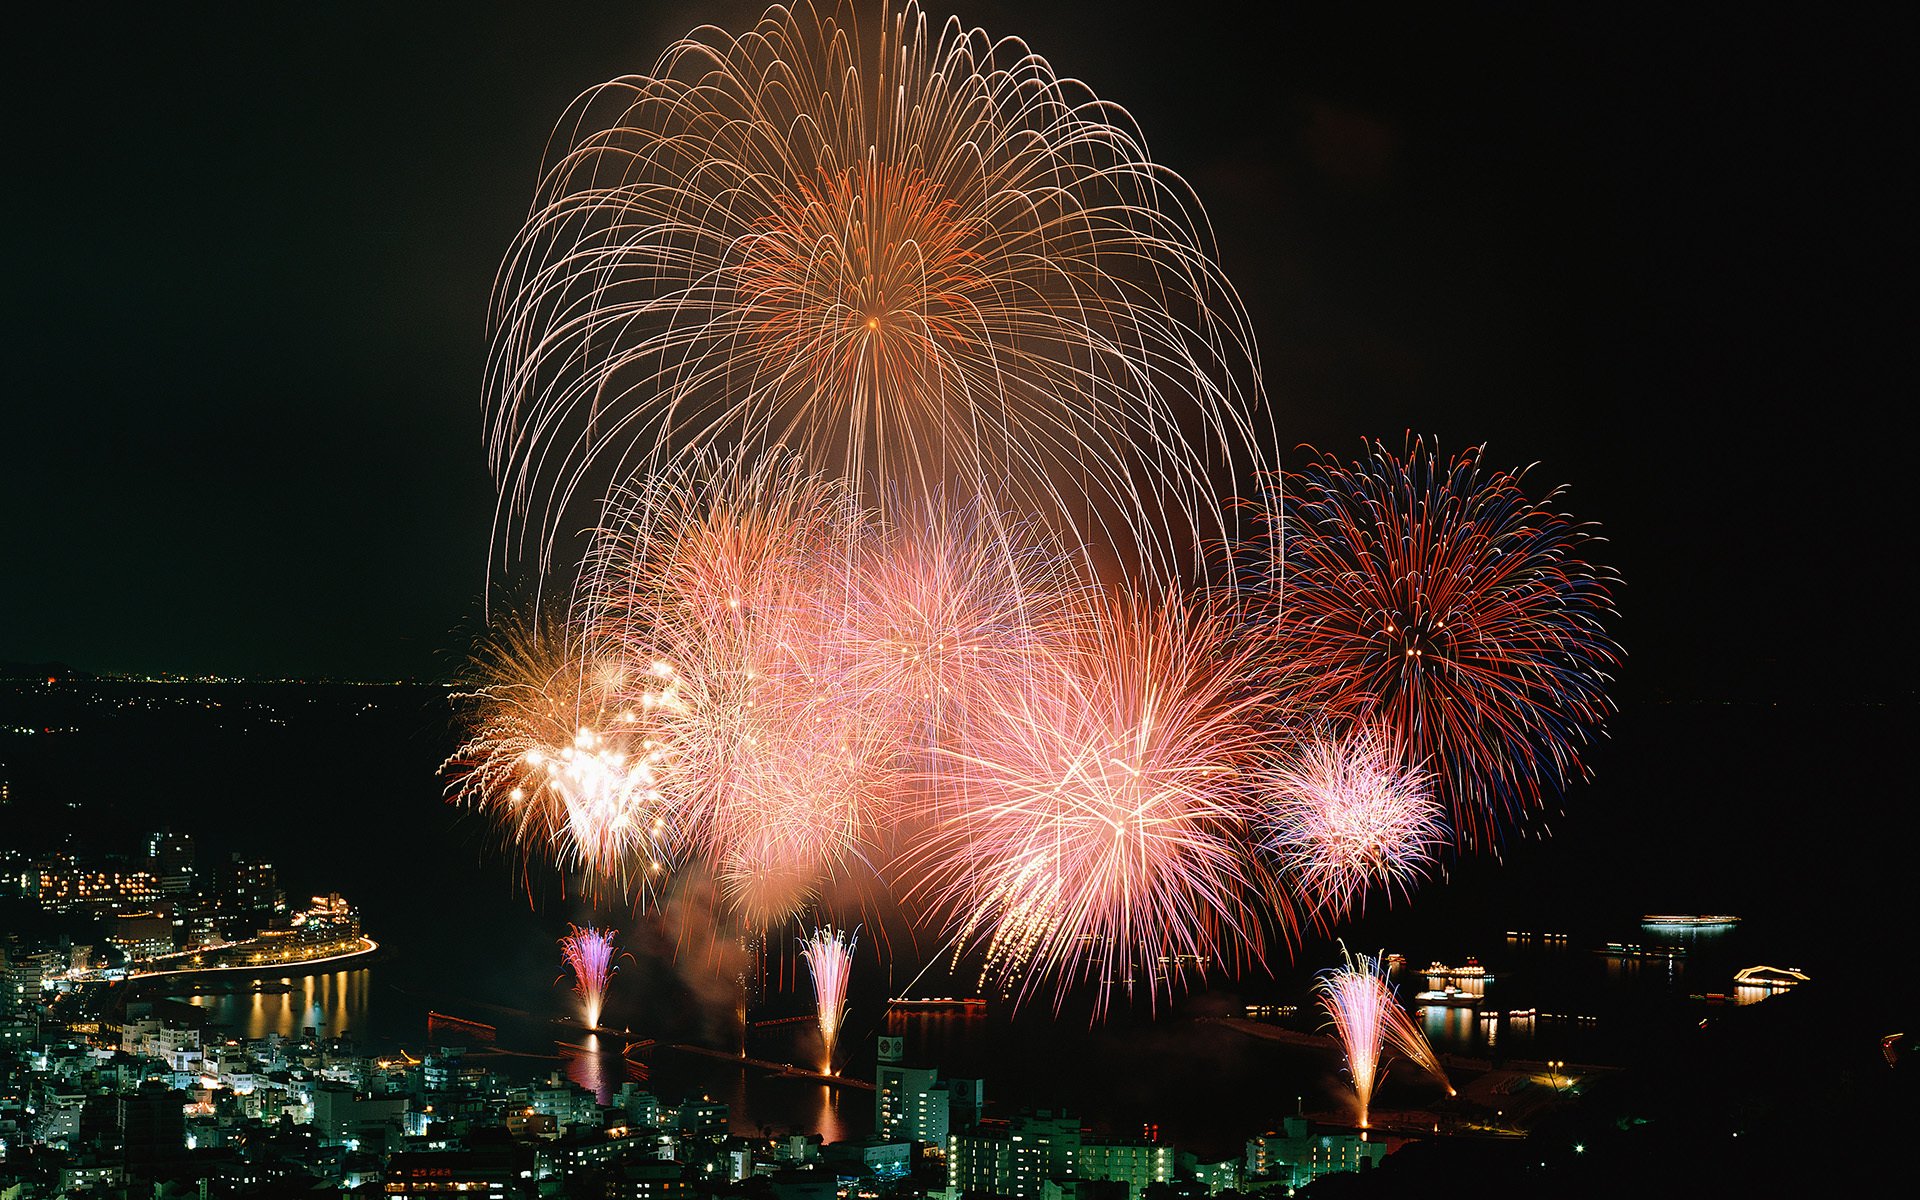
(1776, 979)
(1448, 997)
(1473, 970)
(969, 1003)
(1635, 950)
(1687, 921)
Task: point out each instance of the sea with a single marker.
(1748, 810)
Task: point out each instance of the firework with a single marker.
(1348, 813)
(1404, 1035)
(588, 953)
(1360, 1006)
(1434, 597)
(911, 255)
(829, 956)
(565, 755)
(1093, 824)
(944, 611)
(734, 583)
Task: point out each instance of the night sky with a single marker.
(250, 257)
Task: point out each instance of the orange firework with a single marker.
(565, 755)
(911, 255)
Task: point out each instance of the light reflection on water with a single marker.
(335, 1005)
(757, 1100)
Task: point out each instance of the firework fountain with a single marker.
(1405, 1036)
(588, 953)
(1358, 1000)
(829, 956)
(1361, 1007)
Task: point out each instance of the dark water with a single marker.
(1753, 810)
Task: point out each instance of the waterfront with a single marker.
(469, 932)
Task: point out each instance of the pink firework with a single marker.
(946, 607)
(588, 953)
(1434, 596)
(1092, 823)
(829, 956)
(1404, 1035)
(1367, 1018)
(1347, 814)
(733, 586)
(1360, 1006)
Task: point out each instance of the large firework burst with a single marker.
(1435, 597)
(1094, 822)
(1346, 814)
(944, 614)
(914, 257)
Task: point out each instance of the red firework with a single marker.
(1435, 597)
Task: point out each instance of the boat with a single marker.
(970, 1003)
(1473, 970)
(1448, 997)
(1687, 921)
(1771, 978)
(1635, 950)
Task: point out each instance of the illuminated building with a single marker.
(22, 980)
(170, 858)
(142, 935)
(252, 898)
(66, 888)
(703, 1118)
(1296, 1155)
(653, 1181)
(1225, 1175)
(1135, 1162)
(909, 1102)
(1027, 1155)
(642, 1107)
(505, 1174)
(570, 1105)
(342, 1115)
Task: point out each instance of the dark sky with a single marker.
(1656, 252)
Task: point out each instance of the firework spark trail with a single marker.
(1348, 813)
(1434, 597)
(562, 760)
(1360, 1006)
(1094, 822)
(910, 254)
(1405, 1036)
(588, 953)
(829, 956)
